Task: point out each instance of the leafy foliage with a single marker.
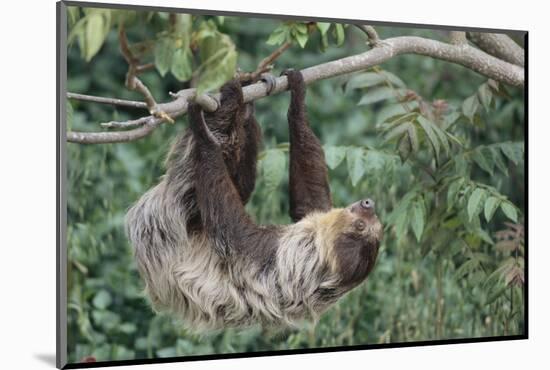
(299, 33)
(447, 176)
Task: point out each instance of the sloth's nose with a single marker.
(367, 204)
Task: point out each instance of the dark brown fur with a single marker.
(201, 254)
(227, 144)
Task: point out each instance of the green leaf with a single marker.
(339, 34)
(323, 27)
(182, 64)
(277, 37)
(396, 120)
(442, 138)
(497, 291)
(485, 96)
(483, 158)
(363, 80)
(334, 155)
(485, 237)
(273, 168)
(418, 219)
(413, 138)
(514, 151)
(164, 52)
(300, 28)
(474, 203)
(398, 131)
(374, 161)
(324, 42)
(491, 205)
(393, 79)
(302, 39)
(466, 268)
(218, 61)
(430, 134)
(127, 328)
(461, 165)
(497, 158)
(183, 27)
(95, 35)
(452, 192)
(450, 118)
(218, 57)
(401, 223)
(509, 210)
(403, 207)
(390, 111)
(215, 77)
(470, 107)
(404, 147)
(356, 164)
(376, 94)
(102, 299)
(369, 79)
(167, 352)
(73, 15)
(106, 319)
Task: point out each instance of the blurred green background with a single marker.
(443, 270)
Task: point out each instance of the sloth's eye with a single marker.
(359, 225)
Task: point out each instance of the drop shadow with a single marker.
(47, 358)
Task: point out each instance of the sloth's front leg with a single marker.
(308, 173)
(234, 125)
(222, 213)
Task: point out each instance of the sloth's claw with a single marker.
(198, 124)
(270, 82)
(285, 72)
(216, 99)
(295, 79)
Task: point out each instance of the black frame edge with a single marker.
(225, 356)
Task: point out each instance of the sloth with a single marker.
(205, 261)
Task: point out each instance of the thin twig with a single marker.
(127, 124)
(115, 137)
(145, 67)
(267, 61)
(133, 82)
(103, 100)
(265, 65)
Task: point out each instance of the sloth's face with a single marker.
(356, 248)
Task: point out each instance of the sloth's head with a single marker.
(352, 238)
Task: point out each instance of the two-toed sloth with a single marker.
(202, 257)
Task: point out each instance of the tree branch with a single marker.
(465, 55)
(458, 38)
(371, 33)
(500, 46)
(115, 137)
(111, 101)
